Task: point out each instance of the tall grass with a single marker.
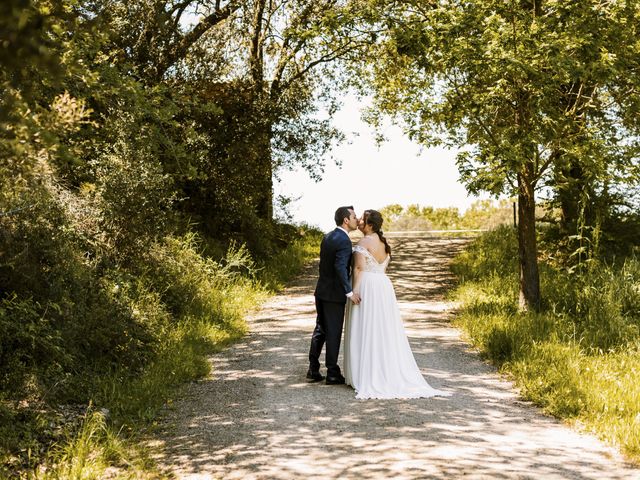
(282, 267)
(579, 358)
(96, 451)
(196, 307)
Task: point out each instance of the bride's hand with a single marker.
(355, 298)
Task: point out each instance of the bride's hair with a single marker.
(374, 218)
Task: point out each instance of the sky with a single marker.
(398, 171)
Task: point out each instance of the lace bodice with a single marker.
(371, 264)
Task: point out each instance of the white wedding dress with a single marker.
(377, 356)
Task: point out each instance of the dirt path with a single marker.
(258, 418)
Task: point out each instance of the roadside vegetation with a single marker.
(114, 372)
(482, 214)
(138, 145)
(579, 357)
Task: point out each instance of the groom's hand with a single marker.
(355, 298)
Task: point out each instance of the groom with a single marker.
(332, 291)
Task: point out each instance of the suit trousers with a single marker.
(329, 323)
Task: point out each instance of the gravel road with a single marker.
(256, 417)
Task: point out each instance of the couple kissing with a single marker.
(354, 294)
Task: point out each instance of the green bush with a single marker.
(191, 285)
(106, 169)
(482, 214)
(189, 333)
(302, 245)
(130, 189)
(493, 253)
(30, 345)
(61, 318)
(602, 303)
(123, 339)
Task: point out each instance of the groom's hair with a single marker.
(341, 214)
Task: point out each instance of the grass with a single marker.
(579, 358)
(199, 310)
(282, 267)
(96, 451)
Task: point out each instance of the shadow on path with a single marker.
(256, 417)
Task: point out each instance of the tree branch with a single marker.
(179, 7)
(329, 57)
(478, 120)
(255, 55)
(180, 50)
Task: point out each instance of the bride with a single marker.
(378, 359)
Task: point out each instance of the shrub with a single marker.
(132, 196)
(493, 253)
(30, 345)
(194, 286)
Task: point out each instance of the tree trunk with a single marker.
(264, 197)
(575, 193)
(527, 246)
(264, 167)
(574, 188)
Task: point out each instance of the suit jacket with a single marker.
(335, 266)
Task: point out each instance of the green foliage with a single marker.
(603, 302)
(280, 268)
(509, 90)
(179, 308)
(191, 285)
(482, 214)
(550, 374)
(74, 323)
(494, 254)
(130, 188)
(537, 96)
(615, 237)
(487, 214)
(578, 357)
(92, 451)
(136, 158)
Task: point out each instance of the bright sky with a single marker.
(372, 177)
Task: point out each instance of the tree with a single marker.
(293, 47)
(526, 87)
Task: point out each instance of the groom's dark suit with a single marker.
(331, 290)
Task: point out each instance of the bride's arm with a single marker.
(358, 267)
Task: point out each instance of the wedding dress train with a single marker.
(378, 359)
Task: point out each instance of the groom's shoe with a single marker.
(337, 380)
(315, 376)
